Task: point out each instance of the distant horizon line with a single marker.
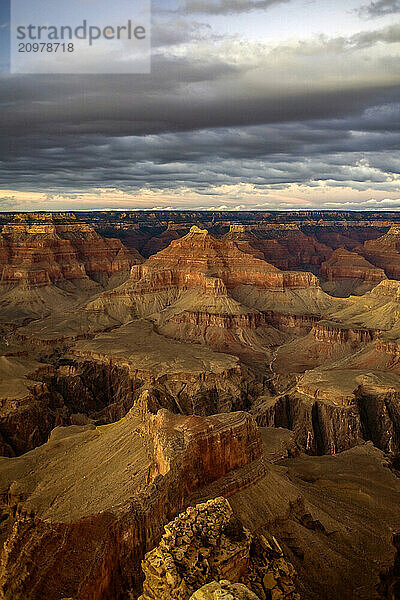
(203, 210)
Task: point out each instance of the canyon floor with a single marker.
(200, 405)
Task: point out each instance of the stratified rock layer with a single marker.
(46, 248)
(385, 252)
(349, 273)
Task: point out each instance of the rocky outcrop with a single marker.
(379, 408)
(239, 333)
(319, 427)
(209, 291)
(135, 476)
(299, 324)
(186, 378)
(200, 252)
(336, 334)
(29, 409)
(286, 247)
(325, 342)
(350, 265)
(207, 544)
(384, 252)
(39, 249)
(224, 589)
(347, 273)
(304, 250)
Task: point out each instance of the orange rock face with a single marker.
(285, 247)
(344, 264)
(186, 260)
(39, 249)
(385, 252)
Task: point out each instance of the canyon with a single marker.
(199, 405)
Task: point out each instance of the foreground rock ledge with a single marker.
(84, 508)
(207, 547)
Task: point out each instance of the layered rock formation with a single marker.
(137, 377)
(351, 375)
(349, 273)
(43, 248)
(40, 251)
(29, 410)
(212, 292)
(185, 378)
(200, 261)
(286, 247)
(384, 252)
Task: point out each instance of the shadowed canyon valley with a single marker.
(200, 405)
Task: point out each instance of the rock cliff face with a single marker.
(286, 247)
(319, 426)
(350, 265)
(39, 249)
(49, 262)
(92, 536)
(385, 252)
(207, 544)
(29, 410)
(348, 272)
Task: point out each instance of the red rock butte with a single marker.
(186, 260)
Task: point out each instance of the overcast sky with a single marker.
(251, 104)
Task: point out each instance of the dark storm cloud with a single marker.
(274, 155)
(380, 8)
(194, 90)
(226, 7)
(204, 119)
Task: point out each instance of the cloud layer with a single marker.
(380, 8)
(313, 120)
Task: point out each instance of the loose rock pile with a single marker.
(224, 590)
(204, 549)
